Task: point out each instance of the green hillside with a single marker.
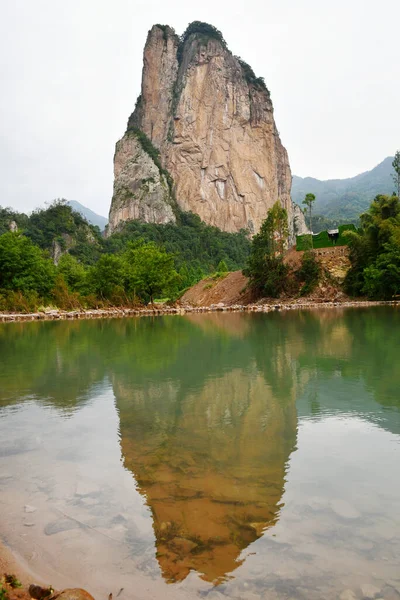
(343, 200)
(90, 216)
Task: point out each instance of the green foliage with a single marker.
(382, 278)
(396, 174)
(250, 76)
(23, 266)
(3, 594)
(107, 276)
(7, 216)
(149, 271)
(309, 272)
(308, 201)
(265, 266)
(343, 200)
(222, 267)
(205, 30)
(152, 151)
(374, 251)
(321, 223)
(73, 272)
(322, 240)
(93, 271)
(12, 581)
(195, 245)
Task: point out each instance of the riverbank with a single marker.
(261, 307)
(10, 565)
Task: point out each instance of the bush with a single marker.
(309, 272)
(16, 301)
(23, 266)
(205, 30)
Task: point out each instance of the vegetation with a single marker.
(141, 262)
(204, 30)
(265, 266)
(250, 76)
(321, 223)
(7, 216)
(152, 151)
(343, 200)
(375, 251)
(308, 202)
(309, 273)
(197, 247)
(396, 174)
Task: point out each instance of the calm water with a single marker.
(206, 456)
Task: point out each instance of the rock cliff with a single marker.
(209, 122)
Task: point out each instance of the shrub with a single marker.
(309, 272)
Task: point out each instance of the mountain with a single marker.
(201, 138)
(345, 199)
(90, 216)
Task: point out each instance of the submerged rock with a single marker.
(344, 509)
(74, 594)
(40, 593)
(347, 595)
(369, 591)
(59, 526)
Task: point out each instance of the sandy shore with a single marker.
(11, 565)
(112, 313)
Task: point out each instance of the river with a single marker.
(205, 456)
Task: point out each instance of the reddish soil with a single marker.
(9, 565)
(232, 289)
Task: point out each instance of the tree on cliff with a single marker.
(265, 266)
(396, 174)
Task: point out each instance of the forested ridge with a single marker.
(54, 257)
(141, 262)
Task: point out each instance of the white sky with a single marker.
(70, 72)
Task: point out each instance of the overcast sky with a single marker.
(70, 72)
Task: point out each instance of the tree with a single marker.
(150, 270)
(107, 275)
(265, 266)
(396, 174)
(222, 268)
(375, 251)
(73, 272)
(23, 266)
(308, 201)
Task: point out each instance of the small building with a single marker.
(333, 235)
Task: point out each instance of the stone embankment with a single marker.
(112, 313)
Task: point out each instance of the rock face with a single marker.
(141, 191)
(212, 122)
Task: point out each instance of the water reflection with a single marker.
(211, 464)
(209, 410)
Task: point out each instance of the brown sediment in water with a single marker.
(213, 488)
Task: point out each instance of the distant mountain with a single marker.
(89, 215)
(345, 199)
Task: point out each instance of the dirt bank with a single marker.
(10, 565)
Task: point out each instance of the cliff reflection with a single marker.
(207, 407)
(211, 464)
